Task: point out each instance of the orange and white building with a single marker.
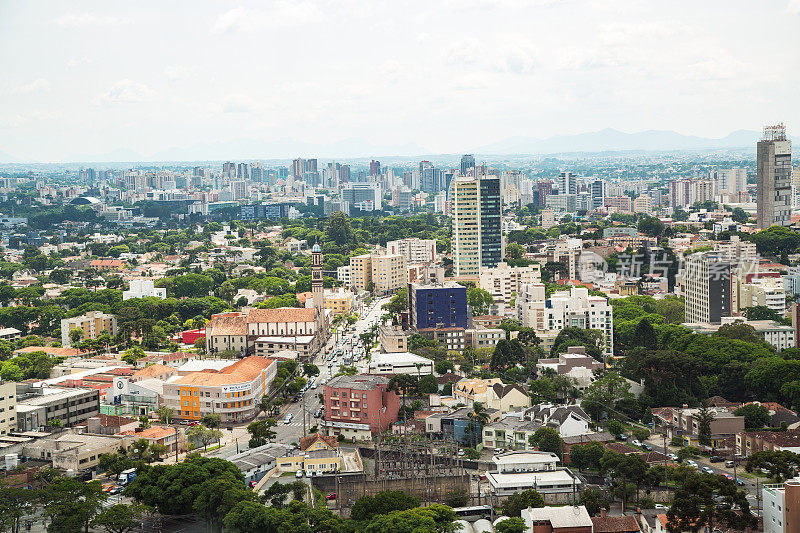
(233, 392)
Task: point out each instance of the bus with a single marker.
(475, 512)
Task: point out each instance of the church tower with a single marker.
(316, 287)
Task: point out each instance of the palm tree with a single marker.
(478, 418)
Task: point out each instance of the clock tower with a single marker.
(316, 287)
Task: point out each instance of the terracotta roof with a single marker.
(228, 325)
(50, 350)
(621, 447)
(106, 263)
(153, 432)
(772, 406)
(242, 371)
(330, 440)
(281, 314)
(153, 370)
(615, 524)
(783, 439)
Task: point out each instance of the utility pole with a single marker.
(304, 414)
(177, 448)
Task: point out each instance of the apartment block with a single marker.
(504, 281)
(781, 507)
(477, 240)
(8, 407)
(707, 287)
(359, 406)
(383, 273)
(92, 323)
(415, 250)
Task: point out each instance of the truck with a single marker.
(126, 476)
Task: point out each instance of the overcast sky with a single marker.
(446, 75)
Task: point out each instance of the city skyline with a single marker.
(153, 80)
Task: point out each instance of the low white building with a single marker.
(522, 470)
(399, 363)
(141, 288)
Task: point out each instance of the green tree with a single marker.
(587, 455)
(781, 465)
(120, 518)
(132, 355)
(428, 385)
(75, 335)
(616, 428)
(547, 439)
(71, 504)
(15, 504)
(202, 435)
(261, 432)
(704, 501)
(310, 369)
(704, 418)
(434, 519)
(211, 420)
(480, 301)
(594, 500)
(367, 507)
(511, 525)
(456, 498)
(603, 394)
(165, 414)
(756, 416)
(518, 501)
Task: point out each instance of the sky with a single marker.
(81, 79)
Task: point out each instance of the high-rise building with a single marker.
(229, 169)
(374, 168)
(774, 179)
(416, 250)
(567, 183)
(298, 167)
(358, 193)
(256, 172)
(729, 181)
(477, 238)
(545, 189)
(707, 287)
(467, 162)
(242, 171)
(679, 193)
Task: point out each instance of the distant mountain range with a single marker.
(611, 140)
(607, 140)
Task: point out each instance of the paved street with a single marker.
(291, 432)
(753, 488)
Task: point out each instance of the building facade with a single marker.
(437, 306)
(92, 324)
(477, 237)
(707, 287)
(359, 406)
(774, 178)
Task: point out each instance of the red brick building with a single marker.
(359, 406)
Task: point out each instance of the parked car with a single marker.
(708, 470)
(672, 457)
(461, 453)
(298, 474)
(729, 464)
(716, 459)
(661, 506)
(740, 482)
(636, 442)
(331, 496)
(728, 477)
(647, 447)
(691, 463)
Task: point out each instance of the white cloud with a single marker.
(127, 92)
(391, 69)
(281, 13)
(78, 61)
(239, 103)
(793, 7)
(176, 72)
(37, 85)
(80, 20)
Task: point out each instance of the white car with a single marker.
(661, 506)
(298, 474)
(691, 463)
(636, 442)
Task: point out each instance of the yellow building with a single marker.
(92, 324)
(318, 453)
(383, 273)
(338, 302)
